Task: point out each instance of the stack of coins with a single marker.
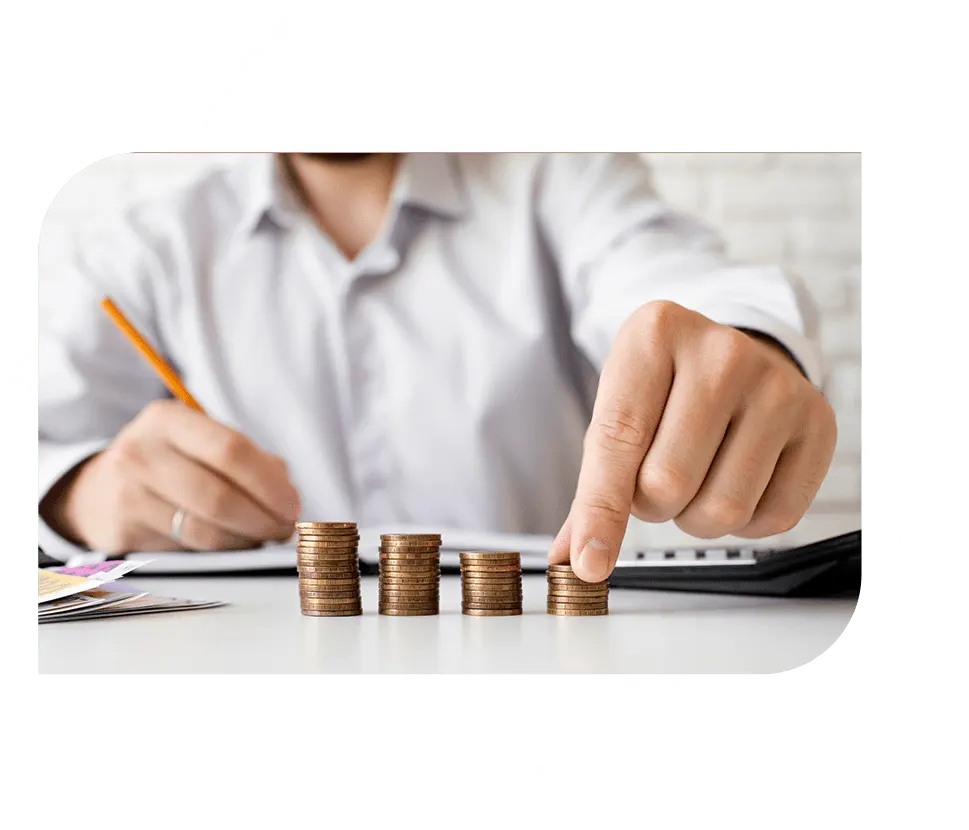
(491, 584)
(329, 569)
(410, 574)
(569, 596)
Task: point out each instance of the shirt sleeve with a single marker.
(91, 380)
(618, 247)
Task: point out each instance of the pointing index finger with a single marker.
(629, 404)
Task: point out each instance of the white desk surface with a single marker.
(262, 631)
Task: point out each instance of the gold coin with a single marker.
(423, 550)
(328, 575)
(310, 612)
(405, 572)
(576, 606)
(335, 535)
(344, 571)
(410, 561)
(409, 594)
(578, 586)
(491, 598)
(410, 580)
(315, 595)
(489, 556)
(498, 583)
(578, 592)
(350, 553)
(321, 603)
(328, 544)
(490, 606)
(328, 555)
(490, 569)
(310, 582)
(385, 608)
(409, 602)
(571, 612)
(492, 612)
(407, 612)
(410, 537)
(324, 525)
(576, 583)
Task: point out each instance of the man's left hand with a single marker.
(700, 423)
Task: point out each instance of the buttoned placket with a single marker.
(351, 343)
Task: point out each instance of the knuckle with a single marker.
(658, 316)
(605, 506)
(232, 449)
(722, 514)
(665, 487)
(156, 411)
(782, 394)
(126, 456)
(822, 419)
(730, 350)
(219, 502)
(620, 429)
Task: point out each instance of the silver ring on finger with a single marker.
(176, 531)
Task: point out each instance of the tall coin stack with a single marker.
(410, 574)
(491, 584)
(329, 569)
(569, 596)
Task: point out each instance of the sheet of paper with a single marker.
(142, 604)
(534, 550)
(52, 586)
(87, 601)
(63, 581)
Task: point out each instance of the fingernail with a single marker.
(594, 561)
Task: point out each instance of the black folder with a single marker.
(828, 568)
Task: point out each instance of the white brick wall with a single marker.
(802, 211)
(799, 210)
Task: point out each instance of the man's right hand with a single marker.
(170, 457)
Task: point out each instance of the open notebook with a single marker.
(534, 551)
(825, 567)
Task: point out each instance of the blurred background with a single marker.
(798, 210)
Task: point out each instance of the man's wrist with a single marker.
(776, 344)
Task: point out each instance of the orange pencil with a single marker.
(164, 371)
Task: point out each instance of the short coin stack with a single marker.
(569, 596)
(491, 584)
(410, 574)
(329, 569)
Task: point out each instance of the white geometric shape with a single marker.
(21, 376)
(329, 75)
(908, 461)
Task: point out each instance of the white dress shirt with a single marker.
(445, 376)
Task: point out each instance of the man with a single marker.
(417, 338)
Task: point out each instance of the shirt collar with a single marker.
(265, 192)
(431, 181)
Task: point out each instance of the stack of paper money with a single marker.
(92, 592)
